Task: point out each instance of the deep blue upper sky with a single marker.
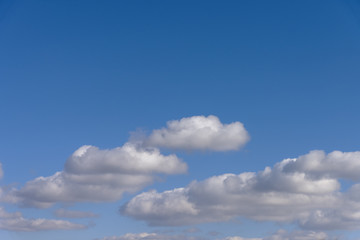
(89, 72)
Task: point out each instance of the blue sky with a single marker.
(251, 82)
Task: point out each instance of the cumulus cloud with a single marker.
(16, 222)
(336, 164)
(94, 175)
(200, 133)
(161, 207)
(128, 159)
(288, 192)
(217, 199)
(63, 213)
(97, 175)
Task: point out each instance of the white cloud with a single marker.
(16, 222)
(284, 193)
(336, 164)
(128, 159)
(132, 236)
(277, 179)
(221, 198)
(94, 175)
(63, 213)
(162, 207)
(200, 133)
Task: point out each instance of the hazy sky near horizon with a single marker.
(179, 120)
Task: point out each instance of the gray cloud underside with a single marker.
(94, 175)
(16, 222)
(294, 190)
(199, 133)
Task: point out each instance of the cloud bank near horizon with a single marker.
(304, 190)
(279, 235)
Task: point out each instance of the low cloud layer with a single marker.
(200, 133)
(300, 235)
(279, 235)
(94, 175)
(288, 192)
(16, 222)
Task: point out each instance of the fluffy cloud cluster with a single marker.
(16, 222)
(304, 190)
(200, 133)
(94, 175)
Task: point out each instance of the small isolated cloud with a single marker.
(95, 175)
(199, 133)
(16, 222)
(63, 213)
(288, 192)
